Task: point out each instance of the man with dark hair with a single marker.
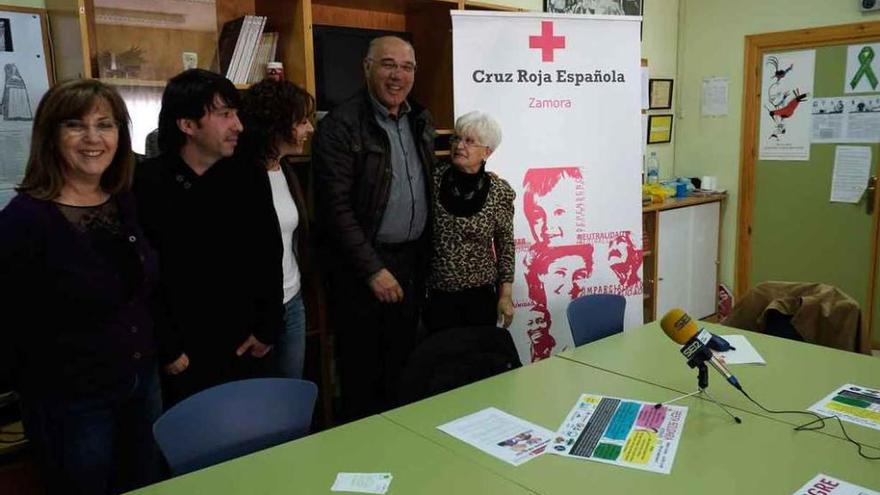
(207, 217)
(373, 159)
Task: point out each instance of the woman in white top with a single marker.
(276, 117)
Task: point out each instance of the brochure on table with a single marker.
(501, 435)
(622, 432)
(852, 403)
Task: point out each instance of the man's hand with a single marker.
(178, 366)
(257, 348)
(385, 287)
(505, 311)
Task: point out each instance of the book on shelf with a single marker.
(255, 31)
(265, 54)
(237, 46)
(228, 47)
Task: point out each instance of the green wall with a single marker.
(711, 41)
(34, 4)
(659, 46)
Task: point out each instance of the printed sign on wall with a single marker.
(786, 94)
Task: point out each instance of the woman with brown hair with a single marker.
(78, 278)
(276, 116)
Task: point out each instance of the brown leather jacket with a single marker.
(821, 313)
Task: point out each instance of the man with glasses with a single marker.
(373, 155)
(214, 229)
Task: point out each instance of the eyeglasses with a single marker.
(78, 128)
(391, 66)
(469, 142)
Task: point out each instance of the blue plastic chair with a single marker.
(234, 419)
(595, 316)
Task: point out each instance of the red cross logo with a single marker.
(547, 42)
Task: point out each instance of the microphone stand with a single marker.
(702, 384)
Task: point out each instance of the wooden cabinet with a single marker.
(680, 268)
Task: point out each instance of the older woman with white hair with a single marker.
(473, 259)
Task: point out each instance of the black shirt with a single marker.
(217, 249)
(75, 327)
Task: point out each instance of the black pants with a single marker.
(375, 338)
(473, 307)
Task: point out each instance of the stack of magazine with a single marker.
(244, 49)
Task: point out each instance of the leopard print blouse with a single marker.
(465, 248)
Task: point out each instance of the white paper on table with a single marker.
(362, 482)
(511, 439)
(622, 432)
(743, 353)
(714, 98)
(852, 165)
(852, 403)
(823, 483)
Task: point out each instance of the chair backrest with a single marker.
(595, 316)
(234, 419)
(456, 357)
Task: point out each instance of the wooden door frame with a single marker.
(755, 47)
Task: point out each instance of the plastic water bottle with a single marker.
(653, 166)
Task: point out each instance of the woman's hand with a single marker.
(505, 304)
(178, 366)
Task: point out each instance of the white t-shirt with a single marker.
(288, 219)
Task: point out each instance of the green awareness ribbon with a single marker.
(866, 56)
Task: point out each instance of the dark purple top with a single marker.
(75, 325)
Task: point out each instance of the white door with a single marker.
(687, 259)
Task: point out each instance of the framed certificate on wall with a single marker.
(660, 94)
(659, 129)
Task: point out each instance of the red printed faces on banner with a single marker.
(563, 260)
(553, 200)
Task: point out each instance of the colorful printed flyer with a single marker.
(499, 434)
(623, 432)
(852, 403)
(823, 484)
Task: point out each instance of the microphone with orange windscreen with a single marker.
(694, 340)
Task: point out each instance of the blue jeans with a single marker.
(97, 445)
(290, 349)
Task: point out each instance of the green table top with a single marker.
(309, 465)
(796, 376)
(715, 455)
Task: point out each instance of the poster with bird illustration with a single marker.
(786, 93)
